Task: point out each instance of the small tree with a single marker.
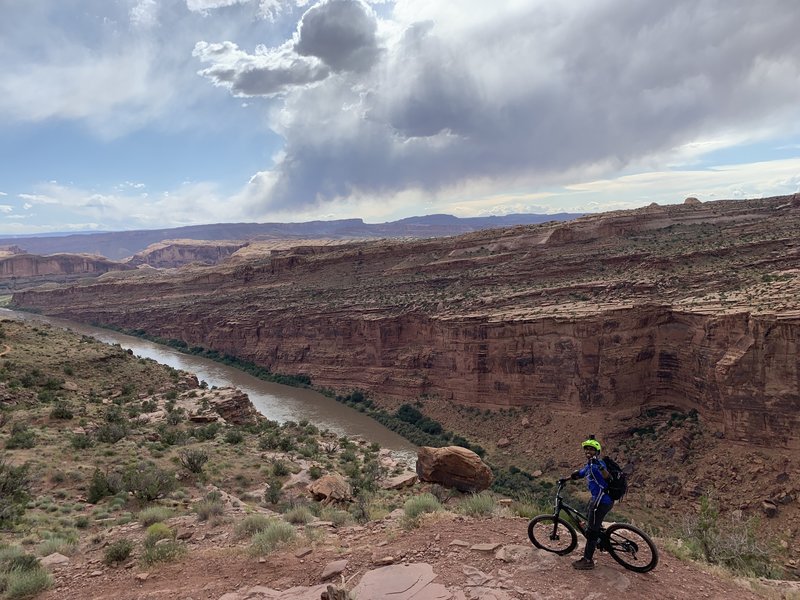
(193, 460)
(14, 488)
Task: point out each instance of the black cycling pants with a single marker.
(596, 511)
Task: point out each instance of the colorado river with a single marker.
(277, 402)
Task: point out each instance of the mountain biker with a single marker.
(596, 474)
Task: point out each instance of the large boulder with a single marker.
(331, 488)
(453, 466)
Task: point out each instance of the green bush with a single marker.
(274, 491)
(61, 411)
(14, 492)
(153, 514)
(99, 487)
(233, 436)
(210, 506)
(419, 505)
(274, 535)
(118, 551)
(279, 468)
(299, 515)
(21, 437)
(65, 545)
(147, 481)
(81, 441)
(477, 505)
(167, 550)
(251, 525)
(111, 433)
(26, 583)
(731, 543)
(193, 460)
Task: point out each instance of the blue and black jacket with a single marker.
(597, 484)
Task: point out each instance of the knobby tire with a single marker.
(631, 547)
(542, 528)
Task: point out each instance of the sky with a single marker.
(144, 114)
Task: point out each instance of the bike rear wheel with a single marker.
(552, 534)
(631, 547)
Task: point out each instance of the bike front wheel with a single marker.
(552, 534)
(631, 547)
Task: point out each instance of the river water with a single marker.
(277, 402)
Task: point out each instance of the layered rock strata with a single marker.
(690, 306)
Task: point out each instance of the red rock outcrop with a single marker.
(171, 254)
(693, 307)
(31, 265)
(453, 467)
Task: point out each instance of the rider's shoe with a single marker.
(583, 564)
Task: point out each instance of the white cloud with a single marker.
(515, 92)
(5, 208)
(267, 73)
(3, 194)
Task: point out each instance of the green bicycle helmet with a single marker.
(591, 443)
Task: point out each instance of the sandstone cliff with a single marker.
(177, 253)
(19, 270)
(686, 306)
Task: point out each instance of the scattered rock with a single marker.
(401, 481)
(53, 560)
(503, 442)
(692, 200)
(333, 569)
(770, 508)
(490, 547)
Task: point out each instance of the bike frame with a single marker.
(579, 519)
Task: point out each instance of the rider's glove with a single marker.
(594, 460)
(575, 475)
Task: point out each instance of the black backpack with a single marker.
(617, 479)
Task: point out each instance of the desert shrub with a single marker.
(274, 535)
(25, 583)
(251, 525)
(336, 516)
(207, 432)
(270, 441)
(99, 487)
(160, 545)
(299, 515)
(61, 411)
(14, 492)
(62, 543)
(419, 505)
(118, 551)
(153, 514)
(21, 437)
(279, 468)
(274, 491)
(210, 506)
(170, 435)
(81, 442)
(193, 460)
(81, 522)
(477, 505)
(233, 436)
(147, 481)
(111, 433)
(731, 543)
(315, 472)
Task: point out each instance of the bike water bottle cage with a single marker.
(590, 443)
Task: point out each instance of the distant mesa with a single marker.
(692, 200)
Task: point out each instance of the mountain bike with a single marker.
(628, 545)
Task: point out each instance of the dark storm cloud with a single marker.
(532, 92)
(341, 33)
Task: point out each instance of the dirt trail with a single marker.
(217, 565)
